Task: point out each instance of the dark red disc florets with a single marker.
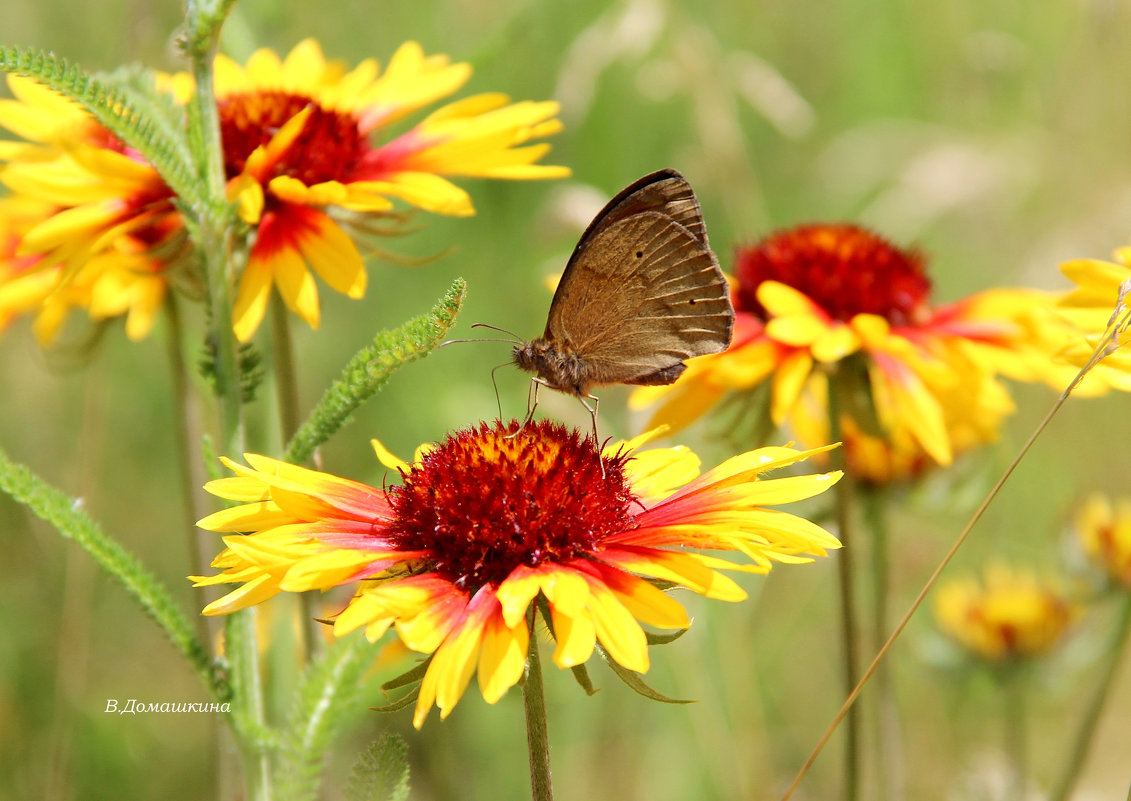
(845, 269)
(482, 504)
(328, 148)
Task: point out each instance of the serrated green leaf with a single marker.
(113, 109)
(633, 681)
(68, 518)
(382, 772)
(371, 367)
(328, 694)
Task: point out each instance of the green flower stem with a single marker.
(537, 732)
(283, 360)
(253, 738)
(1095, 708)
(1015, 723)
(286, 391)
(849, 636)
(887, 740)
(215, 235)
(190, 475)
(216, 219)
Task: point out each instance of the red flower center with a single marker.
(483, 504)
(845, 269)
(326, 150)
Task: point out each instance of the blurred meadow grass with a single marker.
(993, 135)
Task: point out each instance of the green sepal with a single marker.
(408, 699)
(382, 772)
(371, 367)
(412, 676)
(664, 639)
(581, 676)
(635, 683)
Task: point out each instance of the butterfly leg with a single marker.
(531, 404)
(593, 415)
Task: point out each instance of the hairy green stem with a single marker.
(848, 628)
(190, 475)
(215, 234)
(283, 360)
(1087, 730)
(888, 743)
(286, 392)
(537, 731)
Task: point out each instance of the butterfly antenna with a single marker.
(453, 341)
(516, 341)
(496, 328)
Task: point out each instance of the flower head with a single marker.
(815, 297)
(299, 146)
(308, 150)
(497, 516)
(1104, 530)
(1011, 614)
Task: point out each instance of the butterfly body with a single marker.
(641, 293)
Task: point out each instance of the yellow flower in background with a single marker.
(1103, 527)
(495, 517)
(1010, 614)
(973, 416)
(813, 297)
(89, 225)
(308, 154)
(1101, 299)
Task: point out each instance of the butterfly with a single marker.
(641, 293)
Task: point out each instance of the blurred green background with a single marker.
(992, 134)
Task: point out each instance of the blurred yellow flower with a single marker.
(302, 163)
(1102, 299)
(817, 296)
(1103, 527)
(495, 517)
(1011, 614)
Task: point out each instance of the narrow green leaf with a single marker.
(634, 682)
(382, 773)
(412, 676)
(371, 367)
(112, 108)
(329, 693)
(69, 519)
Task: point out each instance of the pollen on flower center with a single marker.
(483, 504)
(845, 269)
(327, 148)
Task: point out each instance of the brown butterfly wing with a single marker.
(664, 191)
(641, 293)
